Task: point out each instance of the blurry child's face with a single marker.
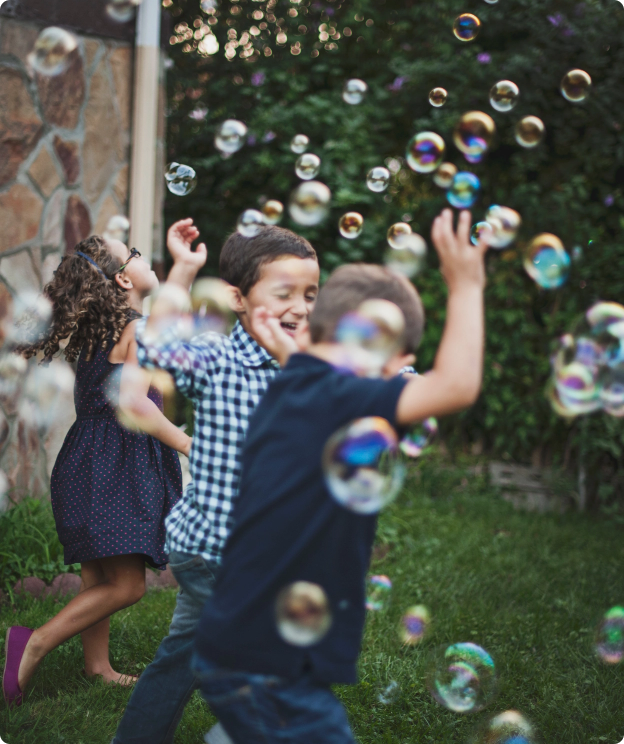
(287, 288)
(138, 271)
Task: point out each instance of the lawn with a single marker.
(529, 588)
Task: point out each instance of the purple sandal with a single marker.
(16, 639)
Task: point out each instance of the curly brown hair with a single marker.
(88, 306)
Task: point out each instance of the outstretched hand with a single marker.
(461, 262)
(180, 238)
(267, 330)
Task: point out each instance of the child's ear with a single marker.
(123, 281)
(235, 300)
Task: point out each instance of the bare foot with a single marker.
(111, 677)
(29, 662)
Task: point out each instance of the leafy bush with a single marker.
(29, 545)
(570, 185)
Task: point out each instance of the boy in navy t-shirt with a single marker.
(291, 539)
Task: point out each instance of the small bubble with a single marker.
(378, 178)
(230, 136)
(122, 11)
(462, 677)
(299, 143)
(51, 54)
(474, 133)
(479, 230)
(546, 261)
(408, 256)
(466, 27)
(464, 190)
(414, 625)
(302, 613)
(504, 95)
(390, 694)
(117, 228)
(307, 166)
(419, 438)
(397, 232)
(354, 91)
(350, 225)
(378, 593)
(444, 176)
(250, 222)
(273, 211)
(609, 644)
(504, 224)
(309, 203)
(181, 179)
(437, 97)
(575, 86)
(425, 152)
(530, 131)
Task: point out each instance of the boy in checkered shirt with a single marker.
(277, 270)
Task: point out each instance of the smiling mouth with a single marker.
(290, 328)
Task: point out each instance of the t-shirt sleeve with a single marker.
(375, 397)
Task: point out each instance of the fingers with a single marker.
(463, 227)
(484, 241)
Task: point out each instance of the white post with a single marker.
(145, 122)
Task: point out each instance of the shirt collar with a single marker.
(250, 353)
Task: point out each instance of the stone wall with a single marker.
(64, 164)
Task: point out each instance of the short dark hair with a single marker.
(242, 258)
(349, 286)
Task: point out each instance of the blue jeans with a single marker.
(261, 709)
(165, 687)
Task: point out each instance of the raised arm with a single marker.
(455, 380)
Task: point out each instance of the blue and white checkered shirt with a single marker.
(224, 378)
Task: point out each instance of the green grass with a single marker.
(529, 588)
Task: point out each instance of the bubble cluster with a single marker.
(529, 131)
(273, 211)
(419, 438)
(407, 256)
(504, 223)
(414, 625)
(462, 677)
(117, 228)
(378, 590)
(362, 470)
(425, 152)
(437, 97)
(546, 261)
(181, 179)
(350, 225)
(250, 222)
(122, 11)
(230, 136)
(509, 727)
(588, 365)
(378, 178)
(575, 86)
(354, 91)
(309, 203)
(464, 191)
(51, 53)
(307, 166)
(302, 613)
(299, 143)
(474, 134)
(444, 176)
(211, 307)
(609, 644)
(466, 27)
(504, 95)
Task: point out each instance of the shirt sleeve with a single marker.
(190, 362)
(368, 397)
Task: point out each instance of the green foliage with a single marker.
(29, 545)
(402, 50)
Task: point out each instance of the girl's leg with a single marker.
(95, 638)
(124, 584)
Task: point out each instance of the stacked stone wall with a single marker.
(64, 165)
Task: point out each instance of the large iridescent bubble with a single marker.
(474, 133)
(462, 677)
(609, 642)
(419, 438)
(509, 727)
(547, 262)
(464, 190)
(466, 27)
(425, 152)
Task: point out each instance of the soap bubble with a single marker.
(530, 131)
(309, 203)
(30, 318)
(504, 95)
(181, 179)
(505, 223)
(609, 643)
(362, 470)
(51, 54)
(302, 613)
(437, 97)
(389, 694)
(273, 211)
(462, 677)
(354, 91)
(474, 133)
(250, 223)
(122, 11)
(546, 261)
(480, 230)
(117, 228)
(425, 152)
(378, 593)
(397, 232)
(414, 625)
(509, 727)
(211, 307)
(369, 336)
(611, 389)
(575, 86)
(299, 143)
(208, 6)
(230, 136)
(307, 166)
(47, 391)
(491, 2)
(444, 176)
(408, 257)
(350, 225)
(466, 27)
(12, 373)
(4, 487)
(173, 305)
(419, 438)
(378, 178)
(464, 190)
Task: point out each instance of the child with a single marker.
(290, 533)
(111, 488)
(276, 269)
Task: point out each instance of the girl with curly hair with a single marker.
(111, 488)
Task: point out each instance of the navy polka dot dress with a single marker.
(111, 488)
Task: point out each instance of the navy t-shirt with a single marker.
(288, 528)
